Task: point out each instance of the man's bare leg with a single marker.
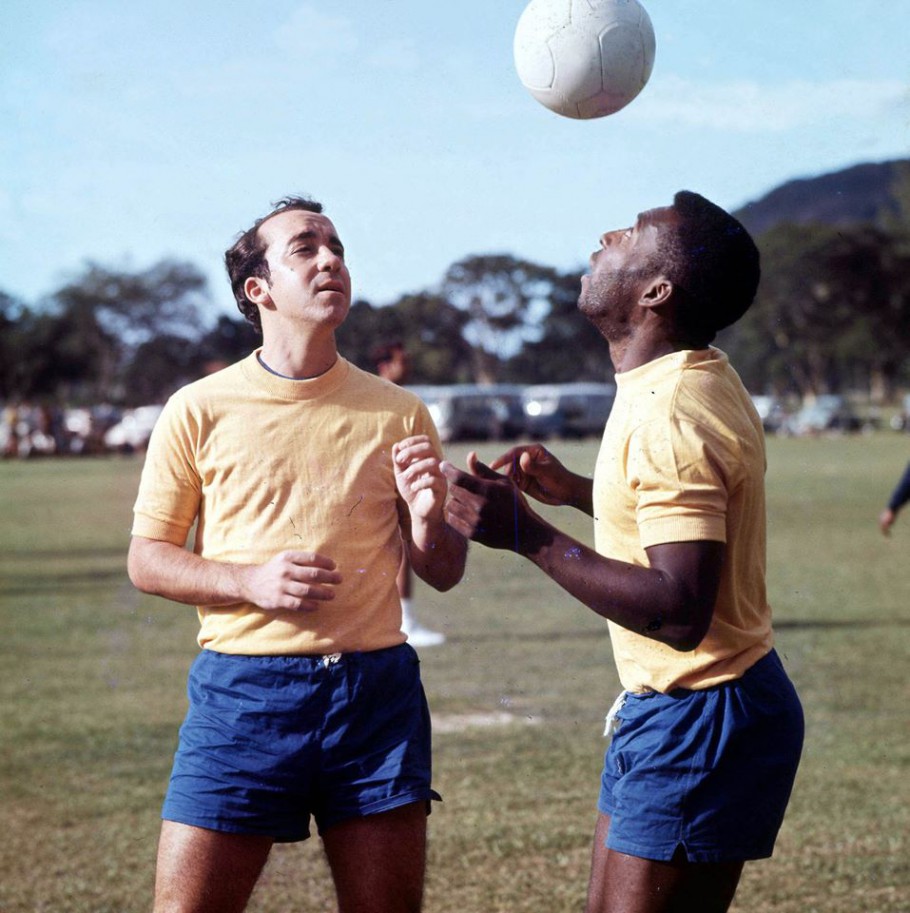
(628, 884)
(203, 871)
(378, 861)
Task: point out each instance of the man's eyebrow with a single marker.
(308, 235)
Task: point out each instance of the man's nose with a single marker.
(329, 260)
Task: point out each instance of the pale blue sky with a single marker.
(130, 132)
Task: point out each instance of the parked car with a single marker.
(133, 431)
(825, 413)
(568, 410)
(900, 421)
(771, 412)
(507, 404)
(474, 412)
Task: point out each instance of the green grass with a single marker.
(92, 692)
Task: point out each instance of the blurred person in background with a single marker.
(392, 364)
(899, 497)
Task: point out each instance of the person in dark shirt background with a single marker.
(899, 497)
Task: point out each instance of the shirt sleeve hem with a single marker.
(682, 529)
(150, 528)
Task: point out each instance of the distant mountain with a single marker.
(861, 193)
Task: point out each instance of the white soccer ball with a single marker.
(584, 58)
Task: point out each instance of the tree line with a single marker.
(832, 315)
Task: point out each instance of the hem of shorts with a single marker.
(231, 827)
(666, 852)
(382, 805)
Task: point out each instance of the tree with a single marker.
(505, 300)
(228, 341)
(165, 298)
(88, 332)
(832, 312)
(570, 348)
(157, 368)
(11, 314)
(365, 328)
(431, 330)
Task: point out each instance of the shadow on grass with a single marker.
(526, 637)
(63, 554)
(843, 623)
(26, 585)
(583, 634)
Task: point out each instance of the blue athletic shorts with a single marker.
(270, 740)
(707, 771)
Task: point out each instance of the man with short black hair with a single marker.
(708, 731)
(305, 477)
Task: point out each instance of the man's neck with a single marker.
(628, 354)
(293, 358)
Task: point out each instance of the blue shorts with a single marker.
(270, 740)
(708, 771)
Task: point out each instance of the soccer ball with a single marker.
(584, 58)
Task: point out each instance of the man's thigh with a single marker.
(707, 770)
(378, 861)
(629, 884)
(205, 871)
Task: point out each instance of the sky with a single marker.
(131, 132)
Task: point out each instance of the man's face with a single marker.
(309, 279)
(621, 270)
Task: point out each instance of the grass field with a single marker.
(92, 692)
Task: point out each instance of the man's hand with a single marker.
(296, 581)
(292, 580)
(886, 520)
(538, 473)
(488, 507)
(436, 551)
(670, 600)
(418, 477)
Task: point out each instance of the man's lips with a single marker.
(331, 287)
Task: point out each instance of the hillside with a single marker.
(861, 193)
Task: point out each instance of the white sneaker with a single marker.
(419, 636)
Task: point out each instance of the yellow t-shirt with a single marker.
(263, 463)
(683, 460)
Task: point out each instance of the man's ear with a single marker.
(657, 293)
(257, 291)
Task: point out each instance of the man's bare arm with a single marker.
(671, 601)
(292, 580)
(436, 551)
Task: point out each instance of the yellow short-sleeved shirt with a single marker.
(682, 460)
(262, 463)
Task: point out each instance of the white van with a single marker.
(465, 412)
(568, 410)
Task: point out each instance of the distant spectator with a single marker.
(899, 497)
(10, 435)
(392, 363)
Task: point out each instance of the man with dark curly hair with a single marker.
(304, 478)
